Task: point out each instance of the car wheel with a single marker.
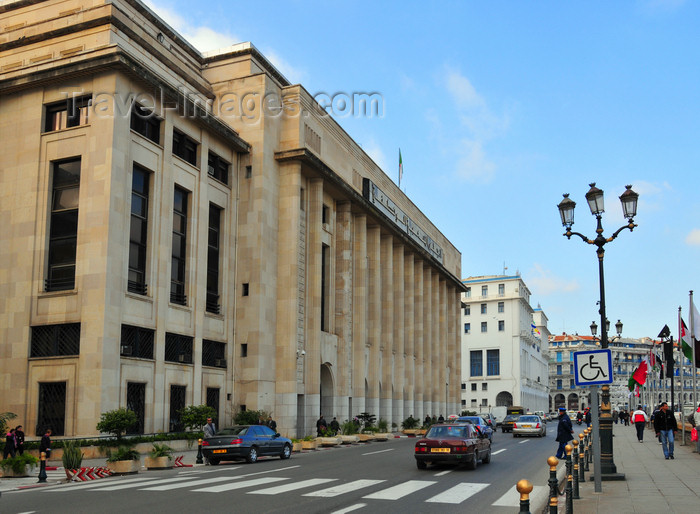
(471, 463)
(487, 459)
(421, 464)
(286, 452)
(213, 461)
(252, 455)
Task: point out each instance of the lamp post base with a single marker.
(610, 477)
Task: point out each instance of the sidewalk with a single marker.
(652, 483)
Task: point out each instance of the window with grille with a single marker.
(136, 402)
(213, 353)
(483, 308)
(476, 364)
(55, 340)
(138, 232)
(137, 342)
(63, 230)
(145, 122)
(177, 403)
(213, 246)
(185, 147)
(51, 408)
(178, 348)
(501, 307)
(179, 248)
(218, 168)
(493, 362)
(71, 112)
(213, 400)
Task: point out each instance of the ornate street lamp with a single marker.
(594, 197)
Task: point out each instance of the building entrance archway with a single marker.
(327, 391)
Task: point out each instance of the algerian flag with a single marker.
(400, 168)
(685, 347)
(631, 384)
(640, 375)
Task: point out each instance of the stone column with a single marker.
(374, 319)
(288, 299)
(428, 341)
(454, 348)
(387, 327)
(410, 336)
(359, 315)
(445, 383)
(398, 414)
(420, 381)
(343, 308)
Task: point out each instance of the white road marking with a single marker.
(197, 471)
(458, 493)
(442, 473)
(380, 451)
(401, 490)
(337, 490)
(203, 481)
(117, 487)
(512, 497)
(97, 483)
(292, 487)
(524, 441)
(498, 451)
(239, 485)
(350, 508)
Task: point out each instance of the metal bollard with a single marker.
(42, 468)
(574, 459)
(524, 487)
(589, 442)
(553, 485)
(581, 458)
(199, 454)
(569, 482)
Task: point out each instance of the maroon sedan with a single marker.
(453, 443)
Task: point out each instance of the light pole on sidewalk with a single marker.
(594, 197)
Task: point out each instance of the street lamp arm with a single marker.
(569, 233)
(630, 226)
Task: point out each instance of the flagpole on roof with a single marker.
(693, 367)
(680, 395)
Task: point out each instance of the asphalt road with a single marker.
(375, 477)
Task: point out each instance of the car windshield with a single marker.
(445, 432)
(511, 417)
(233, 431)
(529, 419)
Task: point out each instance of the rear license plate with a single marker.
(527, 426)
(218, 451)
(439, 450)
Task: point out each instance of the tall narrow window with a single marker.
(476, 364)
(185, 147)
(51, 408)
(136, 402)
(493, 362)
(71, 112)
(501, 289)
(325, 287)
(501, 325)
(138, 234)
(177, 273)
(484, 291)
(218, 168)
(63, 233)
(483, 308)
(145, 122)
(177, 403)
(213, 245)
(501, 307)
(213, 400)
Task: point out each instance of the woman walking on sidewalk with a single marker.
(640, 418)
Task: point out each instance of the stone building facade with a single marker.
(186, 228)
(504, 345)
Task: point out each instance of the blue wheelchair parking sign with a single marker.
(593, 367)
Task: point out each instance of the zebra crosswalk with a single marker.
(312, 487)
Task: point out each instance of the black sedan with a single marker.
(457, 443)
(507, 425)
(245, 442)
(479, 422)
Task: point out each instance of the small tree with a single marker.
(195, 416)
(250, 417)
(116, 421)
(367, 419)
(4, 418)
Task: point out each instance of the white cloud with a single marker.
(693, 237)
(294, 75)
(376, 152)
(544, 282)
(472, 164)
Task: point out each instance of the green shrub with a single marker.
(383, 425)
(409, 423)
(123, 453)
(18, 463)
(4, 418)
(72, 456)
(348, 428)
(116, 422)
(250, 417)
(367, 419)
(195, 416)
(308, 438)
(161, 450)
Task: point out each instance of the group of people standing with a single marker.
(322, 426)
(14, 442)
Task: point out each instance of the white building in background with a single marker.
(504, 345)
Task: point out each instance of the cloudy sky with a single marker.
(499, 108)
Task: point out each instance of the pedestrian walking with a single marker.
(627, 418)
(616, 416)
(45, 444)
(272, 423)
(587, 417)
(565, 432)
(19, 439)
(640, 418)
(666, 427)
(321, 426)
(335, 426)
(10, 444)
(426, 421)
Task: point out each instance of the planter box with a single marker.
(365, 438)
(8, 473)
(348, 439)
(296, 447)
(158, 462)
(379, 436)
(124, 467)
(309, 445)
(328, 441)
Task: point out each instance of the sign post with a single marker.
(591, 369)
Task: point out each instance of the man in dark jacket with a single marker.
(565, 432)
(587, 417)
(666, 427)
